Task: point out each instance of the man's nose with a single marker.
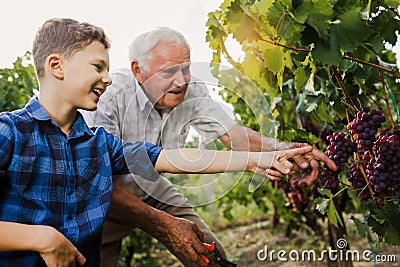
(179, 78)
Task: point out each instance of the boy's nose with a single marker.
(107, 80)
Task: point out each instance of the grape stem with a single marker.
(364, 175)
(338, 192)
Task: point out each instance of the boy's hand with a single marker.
(58, 251)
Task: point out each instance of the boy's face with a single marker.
(168, 74)
(86, 76)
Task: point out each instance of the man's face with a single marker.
(167, 75)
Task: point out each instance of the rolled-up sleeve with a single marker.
(136, 158)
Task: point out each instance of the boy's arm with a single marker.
(54, 248)
(212, 161)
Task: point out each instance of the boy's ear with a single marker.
(137, 71)
(54, 65)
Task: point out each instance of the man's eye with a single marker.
(169, 71)
(186, 70)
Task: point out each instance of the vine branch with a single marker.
(347, 98)
(391, 70)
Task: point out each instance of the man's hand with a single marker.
(185, 238)
(309, 162)
(58, 251)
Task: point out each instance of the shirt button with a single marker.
(71, 179)
(72, 238)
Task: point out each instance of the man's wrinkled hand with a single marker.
(186, 239)
(309, 162)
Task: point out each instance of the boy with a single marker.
(56, 185)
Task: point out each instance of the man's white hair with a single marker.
(141, 46)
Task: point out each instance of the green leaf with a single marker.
(274, 59)
(240, 24)
(362, 228)
(327, 53)
(300, 79)
(333, 215)
(318, 14)
(351, 29)
(325, 192)
(323, 112)
(322, 205)
(393, 3)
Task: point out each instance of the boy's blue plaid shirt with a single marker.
(62, 181)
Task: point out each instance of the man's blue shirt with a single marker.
(62, 181)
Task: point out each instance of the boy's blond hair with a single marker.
(65, 37)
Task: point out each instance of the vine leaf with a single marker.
(240, 24)
(322, 205)
(318, 14)
(385, 221)
(350, 29)
(333, 214)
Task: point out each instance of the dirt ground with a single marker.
(244, 242)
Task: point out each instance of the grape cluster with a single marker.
(339, 150)
(293, 194)
(365, 126)
(387, 165)
(380, 157)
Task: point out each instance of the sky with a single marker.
(122, 20)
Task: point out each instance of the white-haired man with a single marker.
(156, 101)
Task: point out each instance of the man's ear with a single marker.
(137, 71)
(54, 65)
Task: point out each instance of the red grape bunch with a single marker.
(339, 150)
(293, 194)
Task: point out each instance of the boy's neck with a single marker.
(60, 112)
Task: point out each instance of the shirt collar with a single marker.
(34, 109)
(142, 97)
(79, 128)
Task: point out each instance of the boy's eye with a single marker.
(98, 67)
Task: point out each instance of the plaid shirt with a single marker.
(48, 178)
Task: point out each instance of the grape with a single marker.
(365, 127)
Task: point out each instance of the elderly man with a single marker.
(156, 101)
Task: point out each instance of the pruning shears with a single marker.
(215, 257)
